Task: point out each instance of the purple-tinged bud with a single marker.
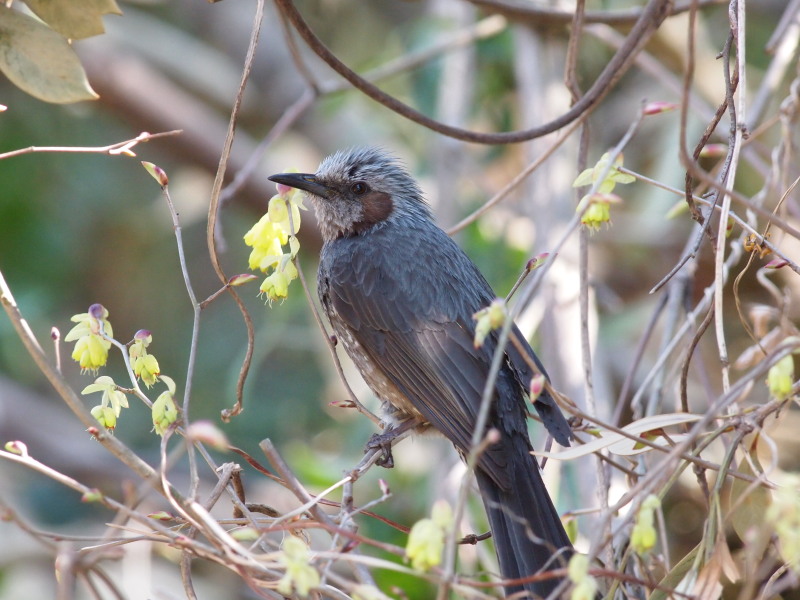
(241, 279)
(537, 386)
(657, 107)
(98, 311)
(537, 261)
(93, 495)
(17, 447)
(55, 334)
(342, 404)
(143, 336)
(156, 173)
(714, 151)
(207, 433)
(776, 263)
(729, 227)
(283, 189)
(349, 546)
(384, 487)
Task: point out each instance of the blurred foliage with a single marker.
(82, 228)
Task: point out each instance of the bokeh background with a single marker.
(76, 229)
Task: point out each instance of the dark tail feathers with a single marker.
(526, 529)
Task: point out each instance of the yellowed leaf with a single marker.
(707, 586)
(618, 443)
(750, 505)
(39, 61)
(677, 575)
(74, 19)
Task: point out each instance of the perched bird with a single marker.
(400, 296)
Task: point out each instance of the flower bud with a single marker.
(537, 386)
(659, 106)
(156, 173)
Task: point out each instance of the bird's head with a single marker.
(357, 190)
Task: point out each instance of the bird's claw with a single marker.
(382, 442)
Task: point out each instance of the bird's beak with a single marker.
(302, 181)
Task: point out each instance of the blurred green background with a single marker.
(76, 229)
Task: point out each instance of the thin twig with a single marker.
(647, 24)
(118, 148)
(214, 207)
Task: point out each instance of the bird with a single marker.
(400, 296)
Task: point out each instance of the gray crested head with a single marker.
(358, 190)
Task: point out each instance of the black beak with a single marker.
(302, 181)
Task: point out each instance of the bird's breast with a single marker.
(395, 407)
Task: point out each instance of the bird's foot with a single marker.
(382, 442)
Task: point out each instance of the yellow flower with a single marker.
(300, 576)
(643, 536)
(145, 366)
(279, 214)
(585, 587)
(273, 231)
(597, 214)
(276, 286)
(147, 369)
(91, 352)
(112, 396)
(105, 416)
(164, 410)
(266, 239)
(611, 179)
(427, 537)
(488, 319)
(780, 378)
(91, 348)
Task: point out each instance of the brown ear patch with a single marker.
(377, 207)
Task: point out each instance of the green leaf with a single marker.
(672, 579)
(74, 19)
(39, 61)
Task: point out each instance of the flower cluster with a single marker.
(93, 337)
(275, 230)
(598, 211)
(426, 539)
(92, 333)
(111, 404)
(488, 319)
(145, 366)
(643, 536)
(164, 410)
(780, 378)
(300, 576)
(584, 585)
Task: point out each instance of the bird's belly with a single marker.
(395, 407)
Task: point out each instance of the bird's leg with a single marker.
(384, 441)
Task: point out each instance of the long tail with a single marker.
(527, 532)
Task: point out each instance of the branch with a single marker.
(648, 23)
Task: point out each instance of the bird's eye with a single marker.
(359, 188)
